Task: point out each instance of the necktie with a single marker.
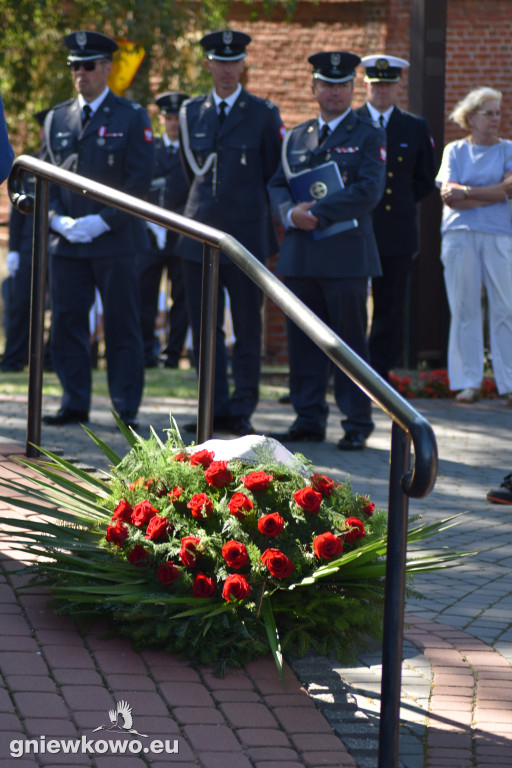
(381, 121)
(325, 131)
(222, 111)
(87, 112)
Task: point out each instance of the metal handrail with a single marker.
(408, 425)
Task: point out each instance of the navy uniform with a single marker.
(109, 139)
(330, 274)
(229, 161)
(410, 175)
(169, 190)
(19, 264)
(6, 151)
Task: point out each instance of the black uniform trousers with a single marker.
(246, 300)
(341, 303)
(389, 296)
(17, 316)
(73, 282)
(151, 267)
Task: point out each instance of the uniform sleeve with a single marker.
(272, 142)
(361, 195)
(6, 151)
(139, 164)
(281, 200)
(425, 170)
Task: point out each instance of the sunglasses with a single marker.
(89, 66)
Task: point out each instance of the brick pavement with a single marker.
(456, 693)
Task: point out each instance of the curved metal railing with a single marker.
(409, 427)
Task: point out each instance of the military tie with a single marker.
(325, 131)
(381, 121)
(86, 116)
(222, 111)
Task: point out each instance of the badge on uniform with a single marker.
(148, 135)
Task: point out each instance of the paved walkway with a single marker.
(457, 677)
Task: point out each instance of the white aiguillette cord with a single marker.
(211, 160)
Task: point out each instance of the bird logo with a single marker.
(122, 712)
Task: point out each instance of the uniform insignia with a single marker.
(148, 135)
(310, 129)
(382, 63)
(382, 154)
(282, 132)
(335, 59)
(345, 150)
(81, 39)
(227, 37)
(318, 190)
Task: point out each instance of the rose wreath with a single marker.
(218, 560)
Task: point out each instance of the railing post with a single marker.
(37, 305)
(207, 342)
(389, 729)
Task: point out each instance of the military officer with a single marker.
(169, 190)
(329, 249)
(6, 151)
(231, 142)
(109, 139)
(410, 177)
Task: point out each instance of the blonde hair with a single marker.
(471, 103)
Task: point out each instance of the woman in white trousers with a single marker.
(476, 181)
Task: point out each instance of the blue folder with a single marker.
(315, 184)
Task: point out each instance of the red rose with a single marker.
(167, 573)
(203, 457)
(181, 456)
(327, 546)
(257, 481)
(142, 513)
(189, 553)
(271, 525)
(278, 564)
(203, 586)
(175, 493)
(218, 474)
(123, 512)
(238, 504)
(308, 499)
(235, 554)
(138, 555)
(322, 484)
(200, 505)
(369, 507)
(356, 530)
(236, 587)
(117, 533)
(157, 528)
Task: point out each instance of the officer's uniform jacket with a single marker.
(169, 188)
(410, 176)
(6, 151)
(358, 148)
(115, 148)
(229, 166)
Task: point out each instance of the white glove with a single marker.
(13, 262)
(159, 232)
(91, 226)
(66, 226)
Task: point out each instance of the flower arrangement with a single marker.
(221, 557)
(436, 384)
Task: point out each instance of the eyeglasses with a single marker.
(89, 66)
(488, 113)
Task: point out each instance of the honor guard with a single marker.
(169, 190)
(410, 176)
(329, 249)
(230, 142)
(109, 139)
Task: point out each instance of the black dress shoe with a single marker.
(298, 435)
(352, 441)
(240, 425)
(129, 420)
(66, 416)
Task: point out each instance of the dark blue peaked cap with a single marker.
(85, 46)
